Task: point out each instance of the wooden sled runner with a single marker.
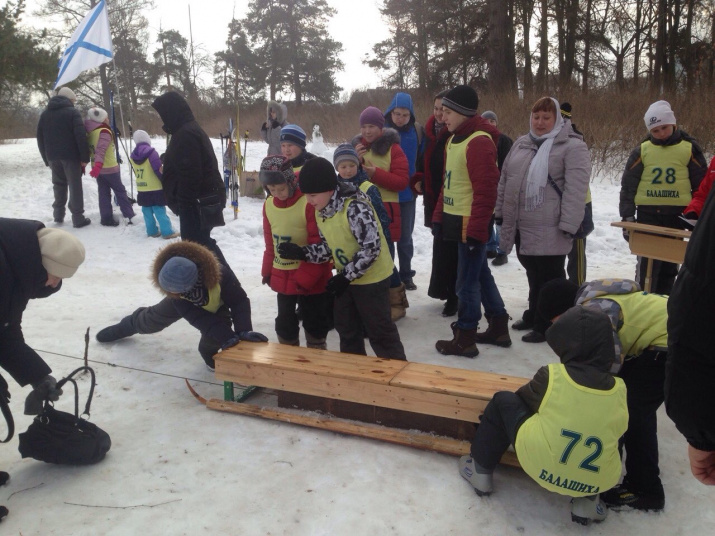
(402, 394)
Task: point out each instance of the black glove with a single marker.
(626, 234)
(252, 336)
(437, 230)
(233, 341)
(690, 215)
(498, 221)
(473, 243)
(45, 389)
(568, 235)
(291, 251)
(337, 284)
(266, 280)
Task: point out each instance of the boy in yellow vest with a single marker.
(353, 238)
(564, 424)
(207, 295)
(463, 214)
(146, 164)
(660, 177)
(640, 331)
(105, 168)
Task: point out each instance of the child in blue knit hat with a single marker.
(293, 146)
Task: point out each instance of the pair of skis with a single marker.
(233, 162)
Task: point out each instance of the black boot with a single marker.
(497, 333)
(463, 344)
(4, 477)
(451, 306)
(125, 328)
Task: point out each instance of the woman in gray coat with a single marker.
(540, 202)
(276, 119)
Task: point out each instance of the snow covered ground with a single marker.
(177, 468)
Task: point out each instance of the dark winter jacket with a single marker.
(211, 273)
(61, 134)
(22, 278)
(300, 160)
(583, 340)
(140, 154)
(690, 370)
(433, 176)
(503, 147)
(190, 165)
(412, 139)
(394, 179)
(484, 176)
(634, 173)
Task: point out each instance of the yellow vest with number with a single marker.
(145, 176)
(665, 179)
(110, 155)
(571, 445)
(336, 231)
(287, 225)
(383, 162)
(645, 319)
(215, 302)
(458, 192)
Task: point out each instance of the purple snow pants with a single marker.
(106, 184)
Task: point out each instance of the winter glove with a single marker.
(233, 341)
(45, 389)
(473, 243)
(252, 336)
(626, 234)
(498, 221)
(96, 169)
(690, 215)
(266, 280)
(437, 230)
(288, 250)
(567, 234)
(337, 284)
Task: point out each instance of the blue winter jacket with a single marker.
(411, 142)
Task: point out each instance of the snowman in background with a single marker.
(317, 146)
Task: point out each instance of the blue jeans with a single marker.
(493, 244)
(405, 247)
(158, 212)
(476, 286)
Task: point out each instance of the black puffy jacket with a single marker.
(60, 132)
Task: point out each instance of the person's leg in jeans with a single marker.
(405, 246)
(471, 260)
(490, 296)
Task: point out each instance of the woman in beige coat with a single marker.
(540, 202)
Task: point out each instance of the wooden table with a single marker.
(655, 243)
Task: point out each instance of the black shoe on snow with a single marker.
(534, 336)
(4, 477)
(109, 222)
(125, 328)
(81, 223)
(522, 325)
(409, 284)
(500, 259)
(450, 307)
(3, 512)
(621, 497)
(492, 254)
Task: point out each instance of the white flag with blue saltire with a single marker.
(90, 45)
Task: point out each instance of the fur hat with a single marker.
(276, 169)
(97, 114)
(293, 134)
(490, 115)
(67, 92)
(316, 176)
(62, 252)
(343, 152)
(659, 113)
(141, 136)
(463, 100)
(372, 116)
(178, 275)
(556, 297)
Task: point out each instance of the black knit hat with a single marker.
(463, 100)
(556, 297)
(566, 110)
(316, 176)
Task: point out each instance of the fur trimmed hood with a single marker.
(209, 265)
(381, 146)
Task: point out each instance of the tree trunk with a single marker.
(499, 64)
(527, 9)
(587, 47)
(542, 72)
(637, 45)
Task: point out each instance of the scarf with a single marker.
(539, 167)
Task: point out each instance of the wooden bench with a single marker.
(655, 242)
(420, 388)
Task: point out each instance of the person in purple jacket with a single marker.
(147, 168)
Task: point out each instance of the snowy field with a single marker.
(178, 468)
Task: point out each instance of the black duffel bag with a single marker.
(60, 437)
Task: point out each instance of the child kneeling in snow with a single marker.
(207, 295)
(565, 423)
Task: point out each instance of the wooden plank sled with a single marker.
(447, 393)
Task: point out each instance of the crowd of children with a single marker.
(335, 234)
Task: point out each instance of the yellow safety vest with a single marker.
(287, 225)
(146, 178)
(571, 445)
(110, 156)
(645, 319)
(665, 179)
(336, 231)
(383, 162)
(458, 191)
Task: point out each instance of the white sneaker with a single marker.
(481, 482)
(587, 509)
